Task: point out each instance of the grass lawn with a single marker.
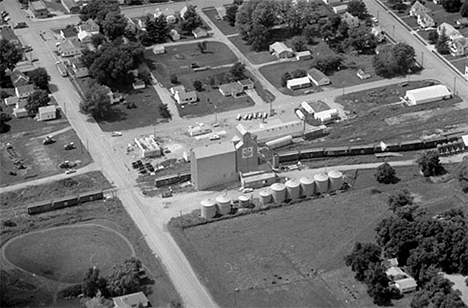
(253, 56)
(460, 63)
(37, 291)
(26, 135)
(222, 25)
(290, 256)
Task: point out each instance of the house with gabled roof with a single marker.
(71, 6)
(281, 51)
(184, 97)
(418, 8)
(233, 89)
(168, 13)
(174, 35)
(18, 78)
(134, 300)
(317, 77)
(199, 33)
(459, 46)
(426, 21)
(24, 91)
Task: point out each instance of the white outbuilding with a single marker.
(298, 83)
(427, 95)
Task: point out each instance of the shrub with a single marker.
(174, 79)
(386, 174)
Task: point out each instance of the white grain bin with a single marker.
(336, 180)
(208, 208)
(244, 200)
(278, 191)
(293, 189)
(224, 204)
(299, 114)
(280, 142)
(321, 182)
(307, 186)
(265, 197)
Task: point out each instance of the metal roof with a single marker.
(214, 149)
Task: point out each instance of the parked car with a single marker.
(20, 25)
(70, 171)
(116, 134)
(265, 115)
(247, 190)
(260, 115)
(239, 117)
(249, 117)
(214, 137)
(254, 116)
(246, 116)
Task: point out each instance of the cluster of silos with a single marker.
(221, 205)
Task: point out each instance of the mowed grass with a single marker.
(49, 253)
(253, 56)
(222, 25)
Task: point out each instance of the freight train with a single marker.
(52, 205)
(413, 145)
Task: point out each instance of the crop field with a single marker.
(72, 248)
(293, 256)
(39, 160)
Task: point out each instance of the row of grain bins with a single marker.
(221, 205)
(305, 187)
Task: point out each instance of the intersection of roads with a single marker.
(148, 216)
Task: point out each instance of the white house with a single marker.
(69, 48)
(378, 33)
(199, 33)
(298, 83)
(340, 9)
(159, 49)
(418, 8)
(174, 35)
(10, 101)
(47, 113)
(303, 55)
(133, 300)
(317, 77)
(138, 84)
(24, 91)
(326, 116)
(176, 89)
(426, 21)
(20, 109)
(183, 97)
(427, 95)
(233, 89)
(182, 12)
(280, 50)
(401, 280)
(363, 74)
(78, 68)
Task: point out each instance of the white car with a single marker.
(116, 134)
(69, 171)
(214, 137)
(247, 190)
(239, 117)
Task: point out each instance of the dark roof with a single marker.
(316, 74)
(69, 32)
(25, 89)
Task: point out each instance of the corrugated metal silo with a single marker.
(293, 189)
(265, 197)
(278, 191)
(321, 182)
(336, 180)
(307, 186)
(224, 204)
(208, 208)
(244, 200)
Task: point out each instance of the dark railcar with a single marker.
(313, 153)
(337, 151)
(91, 196)
(285, 157)
(40, 207)
(393, 147)
(65, 202)
(411, 145)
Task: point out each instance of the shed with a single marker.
(303, 55)
(199, 33)
(362, 74)
(317, 77)
(280, 50)
(47, 113)
(159, 49)
(298, 83)
(427, 95)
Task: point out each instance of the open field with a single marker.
(26, 290)
(50, 252)
(293, 256)
(222, 25)
(253, 56)
(40, 160)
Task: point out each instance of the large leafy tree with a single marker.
(451, 6)
(299, 43)
(114, 25)
(157, 29)
(4, 118)
(399, 199)
(9, 56)
(93, 283)
(96, 101)
(191, 20)
(237, 71)
(442, 44)
(124, 278)
(358, 9)
(38, 98)
(329, 64)
(386, 174)
(39, 78)
(361, 40)
(429, 163)
(98, 9)
(378, 285)
(362, 256)
(394, 60)
(464, 9)
(230, 16)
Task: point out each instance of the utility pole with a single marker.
(393, 27)
(422, 59)
(455, 85)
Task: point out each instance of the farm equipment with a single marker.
(48, 140)
(67, 164)
(69, 146)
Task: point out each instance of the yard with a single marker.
(253, 56)
(65, 261)
(290, 256)
(26, 136)
(222, 25)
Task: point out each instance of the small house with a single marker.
(448, 29)
(317, 77)
(47, 113)
(174, 35)
(303, 55)
(378, 33)
(350, 20)
(362, 74)
(298, 83)
(183, 97)
(24, 91)
(11, 101)
(326, 116)
(71, 6)
(281, 51)
(418, 8)
(78, 68)
(18, 78)
(425, 21)
(168, 13)
(182, 12)
(138, 84)
(233, 89)
(340, 9)
(176, 89)
(19, 110)
(199, 33)
(134, 300)
(247, 84)
(459, 47)
(159, 49)
(89, 26)
(221, 10)
(38, 9)
(69, 48)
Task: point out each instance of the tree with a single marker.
(429, 163)
(98, 39)
(9, 56)
(230, 16)
(38, 98)
(238, 2)
(202, 46)
(174, 79)
(4, 118)
(451, 6)
(386, 174)
(329, 64)
(124, 278)
(464, 9)
(437, 292)
(404, 56)
(96, 100)
(237, 71)
(93, 283)
(298, 73)
(39, 78)
(394, 60)
(463, 176)
(114, 25)
(399, 199)
(299, 43)
(191, 20)
(378, 285)
(284, 78)
(98, 9)
(432, 36)
(442, 45)
(157, 29)
(358, 9)
(361, 40)
(99, 301)
(164, 111)
(197, 84)
(362, 256)
(260, 38)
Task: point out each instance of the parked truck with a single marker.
(62, 69)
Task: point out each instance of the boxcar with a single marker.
(65, 202)
(336, 151)
(39, 207)
(411, 145)
(285, 157)
(91, 196)
(393, 147)
(312, 153)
